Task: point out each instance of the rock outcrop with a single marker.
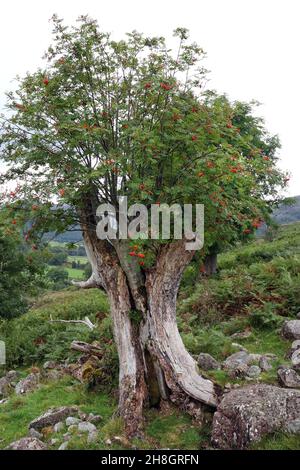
(52, 416)
(28, 384)
(291, 329)
(207, 362)
(27, 443)
(288, 377)
(248, 413)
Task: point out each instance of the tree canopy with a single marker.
(107, 118)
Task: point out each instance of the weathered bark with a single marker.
(169, 372)
(132, 385)
(154, 364)
(110, 274)
(185, 386)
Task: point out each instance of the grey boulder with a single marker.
(85, 426)
(291, 329)
(295, 359)
(71, 420)
(295, 347)
(236, 360)
(12, 376)
(5, 387)
(264, 364)
(52, 416)
(94, 418)
(92, 437)
(288, 377)
(28, 384)
(294, 426)
(246, 414)
(253, 372)
(207, 362)
(58, 427)
(50, 365)
(28, 443)
(36, 434)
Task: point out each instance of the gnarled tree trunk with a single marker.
(154, 364)
(132, 386)
(184, 384)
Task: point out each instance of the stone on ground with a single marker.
(85, 426)
(291, 329)
(207, 362)
(288, 377)
(28, 384)
(52, 416)
(27, 443)
(247, 414)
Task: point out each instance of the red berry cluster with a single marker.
(166, 86)
(135, 252)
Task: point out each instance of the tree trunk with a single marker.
(171, 374)
(132, 385)
(184, 385)
(210, 264)
(154, 364)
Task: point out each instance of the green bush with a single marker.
(31, 338)
(58, 278)
(212, 341)
(264, 318)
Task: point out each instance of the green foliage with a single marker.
(264, 318)
(261, 279)
(271, 232)
(58, 257)
(189, 276)
(174, 431)
(76, 274)
(87, 270)
(136, 316)
(32, 338)
(278, 441)
(212, 341)
(133, 111)
(256, 289)
(217, 308)
(58, 278)
(21, 273)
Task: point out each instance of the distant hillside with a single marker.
(288, 214)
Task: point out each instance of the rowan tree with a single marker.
(105, 119)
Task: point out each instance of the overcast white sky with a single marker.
(252, 48)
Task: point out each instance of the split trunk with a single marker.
(154, 365)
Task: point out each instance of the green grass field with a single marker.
(79, 259)
(172, 430)
(76, 274)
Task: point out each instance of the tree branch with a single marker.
(89, 284)
(87, 322)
